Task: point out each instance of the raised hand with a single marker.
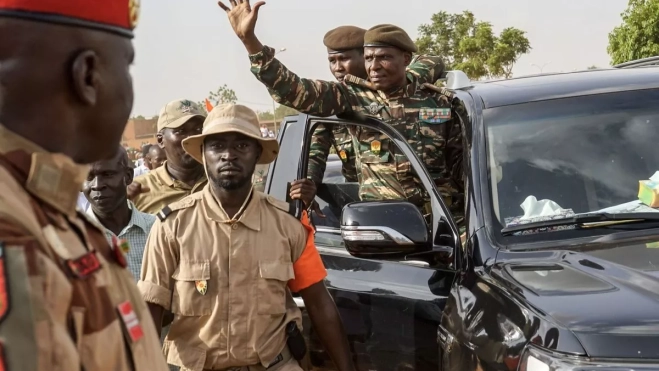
(242, 16)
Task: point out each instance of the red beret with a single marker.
(116, 16)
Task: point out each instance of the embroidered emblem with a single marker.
(131, 322)
(343, 155)
(374, 108)
(133, 12)
(202, 286)
(434, 115)
(4, 294)
(84, 266)
(376, 146)
(186, 106)
(118, 253)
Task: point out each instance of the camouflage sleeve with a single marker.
(349, 169)
(321, 142)
(455, 164)
(426, 68)
(314, 97)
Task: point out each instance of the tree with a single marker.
(471, 46)
(221, 96)
(638, 35)
(593, 67)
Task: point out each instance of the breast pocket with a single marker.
(273, 283)
(433, 144)
(190, 297)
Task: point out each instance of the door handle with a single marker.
(299, 302)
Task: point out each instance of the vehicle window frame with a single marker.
(439, 209)
(493, 224)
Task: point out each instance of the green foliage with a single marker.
(471, 46)
(638, 35)
(222, 95)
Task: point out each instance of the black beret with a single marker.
(389, 35)
(344, 38)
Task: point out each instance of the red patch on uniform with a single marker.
(85, 265)
(3, 366)
(4, 293)
(130, 321)
(118, 253)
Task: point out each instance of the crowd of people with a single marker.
(181, 245)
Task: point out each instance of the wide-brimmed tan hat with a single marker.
(232, 118)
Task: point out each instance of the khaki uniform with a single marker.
(228, 282)
(65, 296)
(163, 190)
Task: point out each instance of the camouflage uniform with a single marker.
(423, 68)
(421, 112)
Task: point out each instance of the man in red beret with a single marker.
(67, 301)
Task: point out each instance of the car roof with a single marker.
(534, 88)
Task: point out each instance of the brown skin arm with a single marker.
(327, 323)
(156, 313)
(305, 190)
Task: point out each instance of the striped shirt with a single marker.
(135, 233)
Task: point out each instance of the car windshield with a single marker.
(553, 159)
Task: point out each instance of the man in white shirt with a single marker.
(105, 189)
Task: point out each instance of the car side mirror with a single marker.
(385, 230)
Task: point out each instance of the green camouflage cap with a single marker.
(388, 35)
(178, 112)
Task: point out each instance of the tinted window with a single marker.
(581, 154)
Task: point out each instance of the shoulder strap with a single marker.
(178, 205)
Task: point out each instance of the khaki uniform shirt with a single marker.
(163, 190)
(228, 283)
(58, 312)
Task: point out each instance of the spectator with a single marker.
(156, 157)
(142, 162)
(105, 189)
(264, 131)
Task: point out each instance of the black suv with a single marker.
(560, 267)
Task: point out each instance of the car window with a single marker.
(553, 159)
(336, 190)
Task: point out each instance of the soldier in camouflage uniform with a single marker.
(345, 53)
(422, 112)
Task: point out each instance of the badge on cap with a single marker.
(434, 115)
(343, 155)
(133, 12)
(131, 322)
(375, 147)
(202, 286)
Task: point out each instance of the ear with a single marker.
(159, 140)
(130, 174)
(86, 77)
(407, 57)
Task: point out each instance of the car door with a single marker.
(391, 310)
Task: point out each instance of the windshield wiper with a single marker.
(584, 220)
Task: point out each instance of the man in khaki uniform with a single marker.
(67, 301)
(226, 259)
(180, 175)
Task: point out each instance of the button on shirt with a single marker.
(163, 190)
(136, 233)
(228, 282)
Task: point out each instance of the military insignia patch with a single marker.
(4, 293)
(434, 115)
(374, 108)
(202, 286)
(343, 155)
(118, 252)
(186, 106)
(130, 320)
(376, 146)
(133, 12)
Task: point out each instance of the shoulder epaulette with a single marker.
(282, 205)
(354, 80)
(437, 89)
(178, 205)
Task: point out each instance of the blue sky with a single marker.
(186, 48)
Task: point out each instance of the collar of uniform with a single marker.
(251, 217)
(136, 218)
(162, 175)
(405, 91)
(52, 177)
